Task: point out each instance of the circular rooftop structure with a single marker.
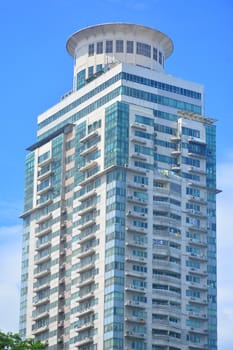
(132, 30)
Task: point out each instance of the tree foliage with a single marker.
(11, 341)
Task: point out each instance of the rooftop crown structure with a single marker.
(119, 218)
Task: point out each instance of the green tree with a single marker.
(11, 341)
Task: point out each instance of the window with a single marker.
(191, 161)
(160, 57)
(155, 54)
(81, 79)
(119, 46)
(99, 68)
(143, 134)
(144, 120)
(90, 71)
(190, 132)
(130, 47)
(143, 49)
(141, 179)
(43, 157)
(99, 47)
(109, 45)
(91, 49)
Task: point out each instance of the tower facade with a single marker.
(119, 243)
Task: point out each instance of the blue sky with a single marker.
(36, 70)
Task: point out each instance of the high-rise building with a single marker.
(119, 243)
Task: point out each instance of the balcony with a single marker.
(42, 245)
(138, 126)
(133, 288)
(200, 272)
(168, 265)
(86, 224)
(84, 341)
(176, 152)
(42, 177)
(137, 215)
(88, 165)
(85, 311)
(135, 273)
(139, 140)
(198, 256)
(89, 136)
(85, 326)
(88, 150)
(136, 259)
(43, 232)
(162, 191)
(198, 315)
(44, 190)
(87, 237)
(137, 244)
(132, 334)
(166, 279)
(38, 287)
(198, 214)
(87, 281)
(196, 140)
(85, 252)
(176, 138)
(198, 286)
(44, 218)
(165, 339)
(196, 170)
(137, 304)
(45, 162)
(139, 156)
(39, 302)
(39, 330)
(198, 346)
(135, 319)
(137, 200)
(197, 242)
(176, 167)
(135, 229)
(41, 273)
(41, 315)
(87, 195)
(161, 250)
(170, 295)
(84, 268)
(198, 300)
(84, 297)
(42, 259)
(196, 155)
(136, 185)
(197, 184)
(86, 210)
(198, 200)
(196, 228)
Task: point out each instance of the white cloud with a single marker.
(10, 257)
